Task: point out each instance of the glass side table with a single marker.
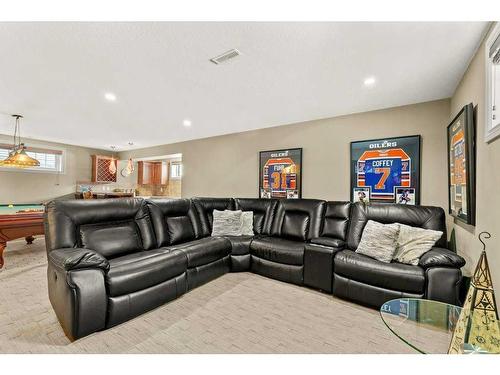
(425, 325)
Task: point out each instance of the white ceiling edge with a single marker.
(489, 26)
(227, 10)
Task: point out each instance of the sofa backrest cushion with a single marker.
(336, 220)
(263, 212)
(205, 208)
(174, 221)
(426, 217)
(298, 219)
(110, 226)
(111, 239)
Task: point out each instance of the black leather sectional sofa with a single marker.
(111, 260)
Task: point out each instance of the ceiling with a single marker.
(56, 75)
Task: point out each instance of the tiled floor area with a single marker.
(237, 313)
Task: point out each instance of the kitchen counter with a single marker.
(156, 197)
(104, 195)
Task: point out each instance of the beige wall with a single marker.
(228, 165)
(472, 89)
(17, 186)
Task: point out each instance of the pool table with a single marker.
(18, 221)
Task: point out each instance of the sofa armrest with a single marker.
(79, 299)
(443, 284)
(439, 257)
(68, 259)
(318, 266)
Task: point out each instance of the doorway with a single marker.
(159, 176)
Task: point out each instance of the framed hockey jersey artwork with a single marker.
(280, 174)
(461, 166)
(386, 170)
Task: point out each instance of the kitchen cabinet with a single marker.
(144, 173)
(152, 173)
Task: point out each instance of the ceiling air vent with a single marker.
(231, 54)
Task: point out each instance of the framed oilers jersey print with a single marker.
(461, 166)
(280, 174)
(386, 170)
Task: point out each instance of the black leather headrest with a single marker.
(64, 218)
(206, 207)
(336, 221)
(174, 220)
(263, 210)
(298, 215)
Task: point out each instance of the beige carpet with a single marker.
(237, 313)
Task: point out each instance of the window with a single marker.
(493, 85)
(50, 160)
(175, 170)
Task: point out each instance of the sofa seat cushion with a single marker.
(205, 250)
(395, 276)
(240, 245)
(278, 250)
(141, 270)
(328, 241)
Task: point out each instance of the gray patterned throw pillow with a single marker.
(414, 242)
(379, 241)
(247, 223)
(226, 223)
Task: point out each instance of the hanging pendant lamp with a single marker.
(112, 162)
(18, 158)
(130, 167)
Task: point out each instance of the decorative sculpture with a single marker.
(477, 329)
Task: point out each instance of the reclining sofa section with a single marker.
(112, 260)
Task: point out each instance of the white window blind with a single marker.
(492, 107)
(495, 80)
(3, 153)
(50, 160)
(495, 51)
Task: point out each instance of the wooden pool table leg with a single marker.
(29, 239)
(2, 248)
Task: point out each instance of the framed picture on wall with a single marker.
(405, 195)
(386, 170)
(461, 166)
(280, 173)
(361, 195)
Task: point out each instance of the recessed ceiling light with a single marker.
(109, 96)
(369, 81)
(187, 123)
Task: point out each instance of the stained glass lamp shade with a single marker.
(18, 158)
